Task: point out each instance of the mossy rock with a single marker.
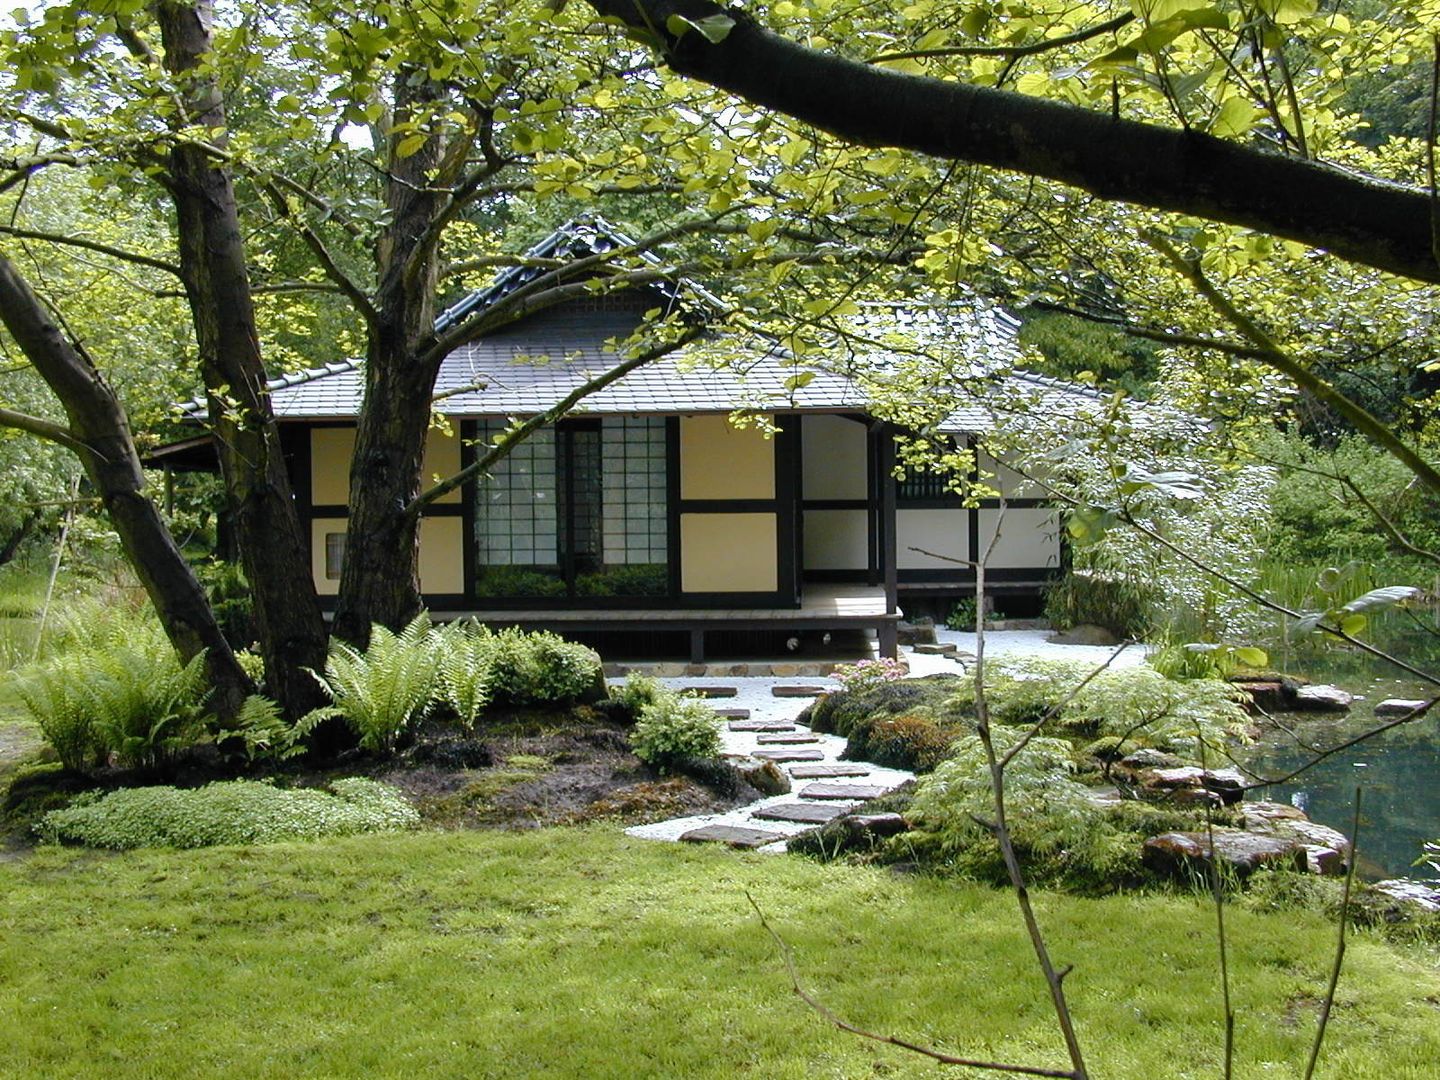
(913, 741)
(835, 838)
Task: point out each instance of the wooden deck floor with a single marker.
(818, 603)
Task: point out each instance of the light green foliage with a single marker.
(383, 691)
(464, 671)
(128, 698)
(1124, 605)
(673, 729)
(537, 668)
(228, 812)
(637, 691)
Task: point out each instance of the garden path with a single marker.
(816, 791)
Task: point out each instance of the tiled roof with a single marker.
(528, 366)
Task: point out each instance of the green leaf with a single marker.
(1236, 117)
(1250, 656)
(1353, 624)
(713, 28)
(1378, 598)
(410, 144)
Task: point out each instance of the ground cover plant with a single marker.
(581, 953)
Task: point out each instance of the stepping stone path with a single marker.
(766, 731)
(842, 791)
(809, 813)
(790, 755)
(732, 835)
(815, 772)
(710, 691)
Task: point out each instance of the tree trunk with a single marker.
(379, 581)
(273, 550)
(12, 543)
(99, 432)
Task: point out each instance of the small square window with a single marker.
(334, 555)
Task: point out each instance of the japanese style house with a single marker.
(647, 510)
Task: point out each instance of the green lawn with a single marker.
(582, 953)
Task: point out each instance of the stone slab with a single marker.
(732, 714)
(1397, 706)
(798, 691)
(938, 649)
(761, 725)
(815, 772)
(805, 813)
(798, 753)
(841, 791)
(787, 738)
(710, 691)
(734, 835)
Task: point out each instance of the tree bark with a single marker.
(99, 426)
(1358, 218)
(379, 581)
(12, 542)
(273, 550)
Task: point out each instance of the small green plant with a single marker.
(465, 671)
(637, 691)
(227, 812)
(962, 615)
(383, 691)
(674, 729)
(265, 735)
(1085, 597)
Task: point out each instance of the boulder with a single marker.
(1268, 695)
(1397, 706)
(1322, 699)
(1229, 784)
(1309, 832)
(1242, 853)
(1150, 758)
(1327, 862)
(765, 777)
(1182, 776)
(1426, 897)
(916, 632)
(1085, 634)
(1255, 816)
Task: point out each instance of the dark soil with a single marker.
(531, 769)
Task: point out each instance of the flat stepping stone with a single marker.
(799, 691)
(788, 738)
(796, 754)
(939, 649)
(1397, 706)
(710, 691)
(762, 725)
(842, 791)
(815, 772)
(734, 835)
(805, 813)
(732, 714)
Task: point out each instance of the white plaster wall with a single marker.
(945, 532)
(833, 458)
(1028, 538)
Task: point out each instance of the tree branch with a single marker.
(44, 429)
(1012, 51)
(91, 245)
(1359, 218)
(352, 292)
(1271, 354)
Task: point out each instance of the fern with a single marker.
(56, 696)
(261, 728)
(465, 671)
(388, 688)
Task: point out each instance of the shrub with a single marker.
(962, 615)
(638, 691)
(868, 674)
(673, 729)
(839, 713)
(132, 699)
(227, 812)
(913, 742)
(386, 689)
(1118, 604)
(538, 668)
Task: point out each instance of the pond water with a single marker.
(1398, 771)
